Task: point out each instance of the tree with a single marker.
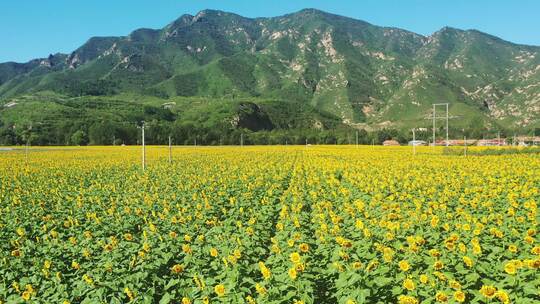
(7, 136)
(79, 138)
(101, 133)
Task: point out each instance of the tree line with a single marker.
(189, 133)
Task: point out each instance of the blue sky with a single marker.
(36, 28)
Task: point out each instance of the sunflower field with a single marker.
(289, 224)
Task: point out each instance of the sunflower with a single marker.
(510, 267)
(260, 289)
(488, 291)
(408, 284)
(455, 284)
(438, 265)
(299, 267)
(219, 290)
(403, 299)
(404, 265)
(26, 295)
(186, 300)
(468, 261)
(21, 231)
(292, 273)
(88, 279)
(186, 248)
(177, 268)
(295, 257)
(440, 296)
(264, 271)
(129, 293)
(502, 296)
(434, 221)
(459, 296)
(75, 265)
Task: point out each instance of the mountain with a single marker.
(332, 71)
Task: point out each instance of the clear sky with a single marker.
(36, 28)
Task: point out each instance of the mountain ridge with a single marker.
(288, 14)
(366, 76)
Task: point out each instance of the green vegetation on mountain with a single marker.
(309, 74)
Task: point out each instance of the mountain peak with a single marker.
(183, 20)
(311, 11)
(211, 13)
(448, 30)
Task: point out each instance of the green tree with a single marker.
(79, 138)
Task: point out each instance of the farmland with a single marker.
(289, 224)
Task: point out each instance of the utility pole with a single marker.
(465, 143)
(114, 140)
(414, 142)
(26, 152)
(28, 134)
(447, 117)
(356, 138)
(499, 138)
(433, 142)
(170, 150)
(143, 147)
(447, 125)
(241, 139)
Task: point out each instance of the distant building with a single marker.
(492, 142)
(525, 141)
(456, 142)
(169, 105)
(417, 143)
(390, 142)
(442, 143)
(10, 104)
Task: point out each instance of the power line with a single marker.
(434, 118)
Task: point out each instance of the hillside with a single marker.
(307, 70)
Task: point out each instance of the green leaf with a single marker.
(171, 283)
(381, 281)
(166, 299)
